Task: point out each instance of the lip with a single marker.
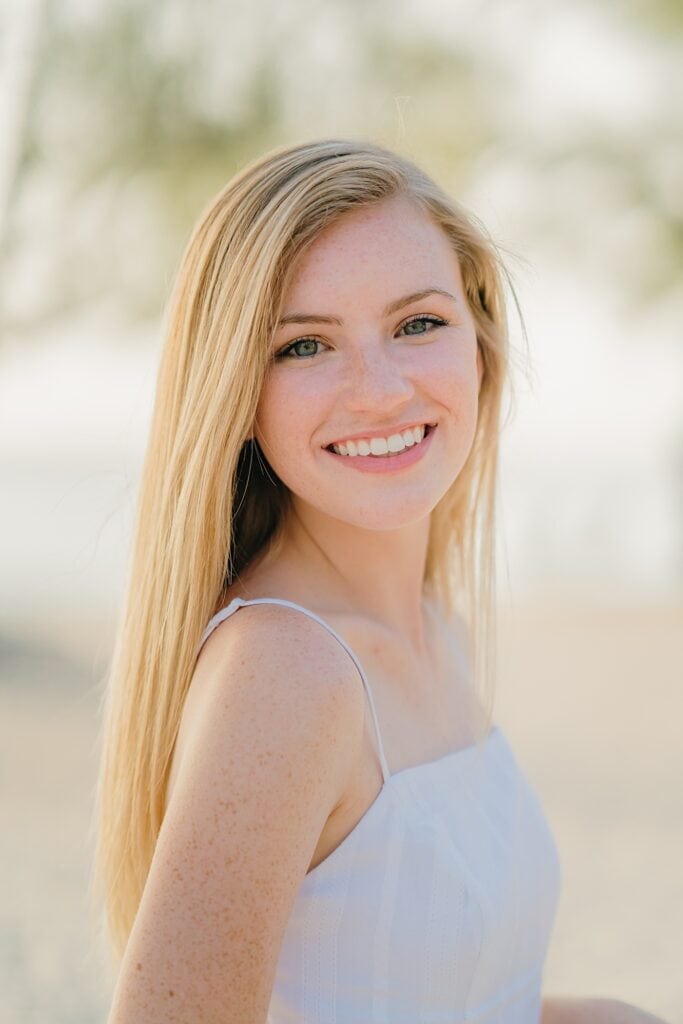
(392, 464)
(387, 432)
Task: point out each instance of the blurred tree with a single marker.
(140, 112)
(119, 129)
(134, 124)
(665, 17)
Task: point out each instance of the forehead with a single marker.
(385, 247)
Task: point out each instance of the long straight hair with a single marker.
(208, 503)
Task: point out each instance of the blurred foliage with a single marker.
(141, 112)
(664, 17)
(619, 202)
(123, 123)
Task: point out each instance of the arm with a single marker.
(574, 1010)
(278, 711)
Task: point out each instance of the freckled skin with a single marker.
(267, 751)
(368, 375)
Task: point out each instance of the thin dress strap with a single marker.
(237, 602)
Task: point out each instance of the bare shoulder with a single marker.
(273, 667)
(271, 734)
(284, 671)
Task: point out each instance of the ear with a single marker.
(480, 365)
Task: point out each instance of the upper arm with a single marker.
(274, 730)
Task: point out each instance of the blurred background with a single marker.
(561, 127)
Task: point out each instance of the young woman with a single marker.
(305, 813)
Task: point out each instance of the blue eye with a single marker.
(415, 321)
(284, 352)
(422, 320)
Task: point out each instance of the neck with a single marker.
(379, 574)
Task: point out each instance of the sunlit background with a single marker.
(561, 127)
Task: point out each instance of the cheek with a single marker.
(450, 376)
(288, 413)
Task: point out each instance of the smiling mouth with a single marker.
(428, 429)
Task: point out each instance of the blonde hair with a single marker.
(207, 507)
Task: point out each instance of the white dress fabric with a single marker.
(437, 908)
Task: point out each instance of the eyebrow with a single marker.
(321, 318)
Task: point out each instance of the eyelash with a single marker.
(284, 352)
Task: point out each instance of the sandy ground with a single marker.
(592, 701)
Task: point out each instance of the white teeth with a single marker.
(381, 445)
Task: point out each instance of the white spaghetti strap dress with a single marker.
(437, 908)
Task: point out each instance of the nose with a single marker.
(375, 381)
